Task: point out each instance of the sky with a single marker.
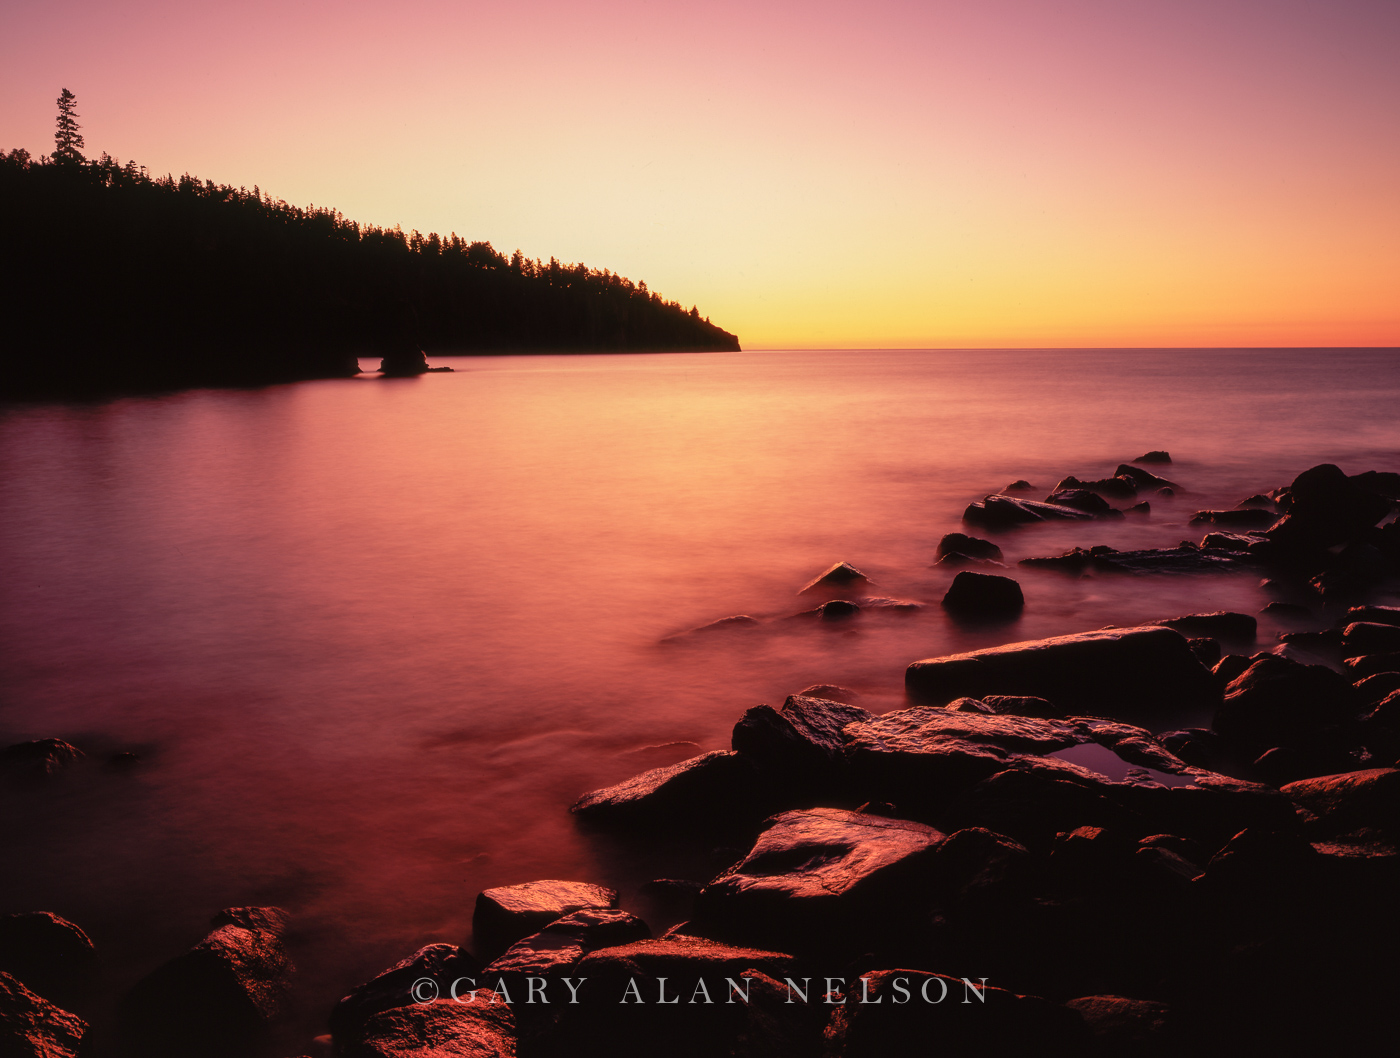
(1007, 173)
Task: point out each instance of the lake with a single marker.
(372, 637)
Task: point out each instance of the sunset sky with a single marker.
(1002, 173)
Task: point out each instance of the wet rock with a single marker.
(1207, 651)
(1143, 479)
(481, 1028)
(1166, 492)
(1379, 483)
(802, 742)
(1229, 667)
(1370, 637)
(970, 546)
(1199, 747)
(43, 756)
(685, 997)
(1349, 801)
(216, 999)
(1287, 611)
(1091, 671)
(1371, 665)
(737, 623)
(953, 560)
(1080, 500)
(1004, 512)
(882, 602)
(1227, 541)
(840, 577)
(1139, 508)
(1389, 615)
(508, 913)
(704, 790)
(1119, 488)
(831, 692)
(1019, 485)
(1259, 500)
(1187, 558)
(1154, 457)
(1248, 518)
(49, 953)
(1281, 765)
(822, 878)
(976, 863)
(970, 705)
(32, 1027)
(1121, 1026)
(441, 963)
(1325, 508)
(900, 1012)
(1020, 705)
(1279, 702)
(984, 595)
(561, 944)
(1374, 689)
(1220, 624)
(837, 610)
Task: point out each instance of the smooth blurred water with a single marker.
(371, 637)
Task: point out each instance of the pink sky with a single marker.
(885, 174)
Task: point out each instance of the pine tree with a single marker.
(68, 141)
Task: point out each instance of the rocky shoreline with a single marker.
(1026, 858)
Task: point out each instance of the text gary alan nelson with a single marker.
(833, 991)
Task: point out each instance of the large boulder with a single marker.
(1387, 615)
(1149, 668)
(47, 952)
(983, 595)
(823, 879)
(1279, 702)
(888, 1013)
(1338, 804)
(801, 743)
(216, 999)
(507, 913)
(32, 1027)
(1325, 508)
(402, 985)
(710, 790)
(1370, 637)
(481, 1027)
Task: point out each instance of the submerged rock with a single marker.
(969, 546)
(216, 999)
(1081, 500)
(1152, 667)
(1019, 485)
(508, 913)
(1005, 512)
(1154, 457)
(1187, 558)
(1121, 488)
(983, 595)
(32, 1027)
(1144, 479)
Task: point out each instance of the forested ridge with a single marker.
(117, 280)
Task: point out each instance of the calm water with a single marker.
(372, 637)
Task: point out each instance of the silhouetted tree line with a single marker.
(118, 280)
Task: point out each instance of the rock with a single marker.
(1153, 457)
(969, 546)
(954, 560)
(1325, 509)
(1020, 705)
(1019, 485)
(737, 623)
(404, 362)
(561, 944)
(840, 577)
(1249, 518)
(830, 692)
(1121, 488)
(1379, 483)
(508, 913)
(1349, 801)
(1371, 665)
(49, 953)
(1231, 666)
(32, 1027)
(704, 790)
(1166, 492)
(216, 999)
(1370, 637)
(1287, 611)
(444, 1028)
(1091, 671)
(1143, 479)
(1258, 500)
(1207, 651)
(1374, 689)
(881, 602)
(1139, 508)
(801, 743)
(43, 756)
(976, 863)
(837, 610)
(984, 595)
(684, 997)
(1389, 615)
(1258, 863)
(1199, 747)
(1080, 500)
(1188, 558)
(890, 1013)
(1281, 765)
(1004, 512)
(1220, 624)
(822, 878)
(441, 963)
(1279, 702)
(970, 705)
(1121, 1026)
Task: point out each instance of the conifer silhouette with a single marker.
(68, 141)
